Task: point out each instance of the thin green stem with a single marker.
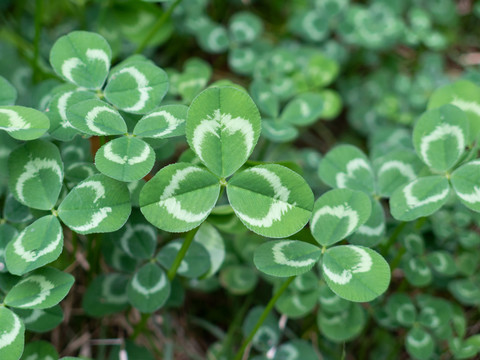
(157, 26)
(262, 318)
(140, 326)
(36, 39)
(181, 254)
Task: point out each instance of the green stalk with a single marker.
(140, 326)
(157, 26)
(181, 254)
(262, 318)
(36, 40)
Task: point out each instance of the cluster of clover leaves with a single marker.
(222, 126)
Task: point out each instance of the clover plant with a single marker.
(239, 180)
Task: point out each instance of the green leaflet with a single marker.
(345, 166)
(40, 289)
(268, 334)
(278, 131)
(179, 197)
(416, 271)
(271, 200)
(401, 308)
(131, 351)
(342, 326)
(355, 273)
(331, 302)
(395, 169)
(7, 234)
(419, 343)
(23, 123)
(321, 71)
(212, 240)
(106, 294)
(223, 126)
(440, 137)
(299, 349)
(61, 127)
(8, 93)
(244, 27)
(96, 117)
(162, 123)
(337, 214)
(332, 104)
(213, 38)
(195, 263)
(266, 101)
(12, 333)
(40, 350)
(465, 182)
(421, 197)
(242, 60)
(41, 321)
(304, 109)
(137, 238)
(464, 95)
(38, 244)
(285, 258)
(238, 279)
(125, 159)
(97, 204)
(442, 262)
(373, 231)
(16, 212)
(296, 304)
(82, 58)
(149, 288)
(36, 174)
(465, 291)
(136, 86)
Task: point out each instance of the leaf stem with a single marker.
(140, 326)
(157, 26)
(181, 254)
(262, 318)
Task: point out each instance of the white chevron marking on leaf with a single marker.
(32, 168)
(110, 155)
(371, 231)
(95, 220)
(130, 231)
(45, 286)
(16, 122)
(62, 108)
(34, 316)
(279, 205)
(33, 255)
(92, 115)
(68, 65)
(404, 169)
(425, 340)
(422, 270)
(364, 264)
(8, 337)
(172, 122)
(413, 202)
(140, 158)
(142, 87)
(219, 123)
(469, 106)
(184, 264)
(441, 264)
(352, 166)
(149, 291)
(98, 54)
(440, 133)
(96, 186)
(107, 294)
(339, 211)
(213, 37)
(172, 205)
(280, 258)
(243, 27)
